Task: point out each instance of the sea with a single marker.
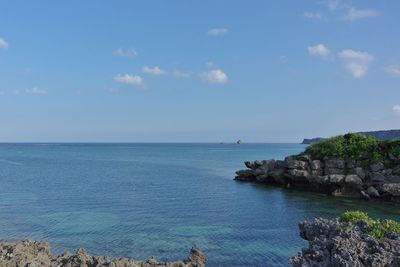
(141, 200)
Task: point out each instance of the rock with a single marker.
(296, 174)
(245, 175)
(316, 165)
(351, 164)
(364, 195)
(250, 165)
(197, 257)
(392, 189)
(329, 171)
(38, 254)
(377, 166)
(262, 177)
(336, 178)
(360, 172)
(396, 170)
(373, 192)
(377, 177)
(296, 164)
(353, 180)
(332, 243)
(335, 164)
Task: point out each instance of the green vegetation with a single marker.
(357, 147)
(377, 228)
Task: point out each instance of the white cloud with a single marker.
(355, 14)
(134, 80)
(394, 70)
(3, 43)
(180, 74)
(313, 15)
(214, 76)
(356, 62)
(319, 50)
(36, 91)
(217, 31)
(154, 71)
(332, 4)
(130, 53)
(396, 110)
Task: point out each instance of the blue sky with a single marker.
(197, 71)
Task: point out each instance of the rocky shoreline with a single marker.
(331, 176)
(336, 243)
(34, 254)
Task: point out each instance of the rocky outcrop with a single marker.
(335, 177)
(334, 243)
(33, 253)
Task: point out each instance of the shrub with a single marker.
(377, 228)
(350, 146)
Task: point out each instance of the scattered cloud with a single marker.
(35, 91)
(214, 76)
(129, 53)
(356, 14)
(154, 71)
(332, 4)
(319, 50)
(396, 110)
(356, 62)
(134, 80)
(180, 74)
(3, 43)
(393, 70)
(211, 64)
(217, 31)
(313, 15)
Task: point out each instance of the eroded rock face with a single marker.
(34, 253)
(331, 176)
(333, 243)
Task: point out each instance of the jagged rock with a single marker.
(316, 165)
(33, 253)
(296, 174)
(335, 164)
(329, 171)
(245, 175)
(377, 177)
(392, 189)
(396, 170)
(373, 192)
(262, 177)
(353, 180)
(332, 243)
(360, 172)
(250, 165)
(377, 166)
(296, 164)
(336, 178)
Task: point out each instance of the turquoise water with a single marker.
(138, 200)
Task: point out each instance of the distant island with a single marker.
(383, 135)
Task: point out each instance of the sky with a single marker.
(197, 71)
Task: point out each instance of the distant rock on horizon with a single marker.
(382, 135)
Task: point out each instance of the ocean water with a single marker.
(139, 200)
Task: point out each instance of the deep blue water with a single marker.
(138, 200)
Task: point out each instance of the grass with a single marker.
(377, 228)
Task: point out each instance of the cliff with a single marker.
(352, 165)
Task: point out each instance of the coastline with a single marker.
(36, 253)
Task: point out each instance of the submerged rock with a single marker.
(34, 253)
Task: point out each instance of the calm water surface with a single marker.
(138, 200)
